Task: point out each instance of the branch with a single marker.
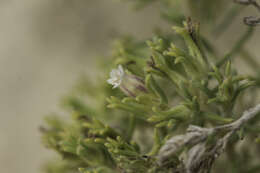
(236, 125)
(251, 21)
(201, 155)
(238, 46)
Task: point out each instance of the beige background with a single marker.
(44, 46)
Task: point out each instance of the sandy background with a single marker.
(44, 47)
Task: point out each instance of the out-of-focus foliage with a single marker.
(183, 83)
(203, 10)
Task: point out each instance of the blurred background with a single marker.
(44, 47)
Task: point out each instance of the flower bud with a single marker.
(131, 85)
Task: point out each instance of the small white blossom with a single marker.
(116, 76)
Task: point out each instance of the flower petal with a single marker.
(111, 81)
(120, 68)
(116, 76)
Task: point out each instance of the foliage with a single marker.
(177, 81)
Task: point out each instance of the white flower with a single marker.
(116, 76)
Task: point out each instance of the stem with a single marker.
(256, 5)
(250, 21)
(236, 49)
(196, 135)
(131, 127)
(250, 60)
(157, 143)
(247, 115)
(227, 21)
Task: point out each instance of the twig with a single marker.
(250, 60)
(228, 19)
(245, 37)
(251, 20)
(248, 2)
(247, 115)
(195, 139)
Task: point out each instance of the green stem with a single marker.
(250, 60)
(227, 21)
(131, 127)
(157, 143)
(236, 49)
